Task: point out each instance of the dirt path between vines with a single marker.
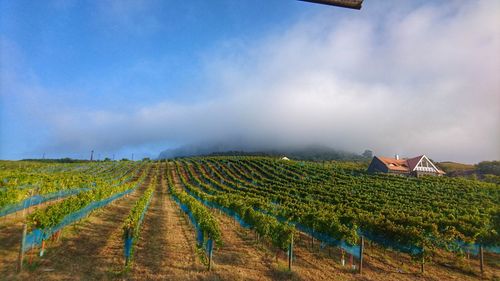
(325, 264)
(10, 239)
(239, 258)
(166, 250)
(89, 250)
(11, 227)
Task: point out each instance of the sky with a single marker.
(140, 76)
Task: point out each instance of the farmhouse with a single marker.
(416, 166)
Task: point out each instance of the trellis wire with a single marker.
(39, 199)
(35, 237)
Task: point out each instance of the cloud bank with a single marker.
(413, 81)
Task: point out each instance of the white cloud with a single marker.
(134, 16)
(425, 81)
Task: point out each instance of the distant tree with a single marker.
(60, 160)
(124, 159)
(146, 159)
(489, 167)
(107, 159)
(367, 154)
(492, 178)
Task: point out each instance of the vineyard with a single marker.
(242, 218)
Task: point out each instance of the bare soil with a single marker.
(242, 257)
(88, 250)
(314, 263)
(11, 227)
(166, 250)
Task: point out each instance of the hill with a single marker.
(310, 153)
(488, 171)
(452, 168)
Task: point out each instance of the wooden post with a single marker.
(42, 251)
(21, 250)
(361, 248)
(290, 254)
(210, 252)
(422, 265)
(342, 260)
(481, 258)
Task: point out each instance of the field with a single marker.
(238, 218)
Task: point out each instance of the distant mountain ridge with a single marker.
(311, 152)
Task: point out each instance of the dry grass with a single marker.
(165, 250)
(93, 250)
(88, 250)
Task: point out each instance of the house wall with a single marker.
(419, 174)
(376, 166)
(398, 173)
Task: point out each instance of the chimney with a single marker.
(396, 156)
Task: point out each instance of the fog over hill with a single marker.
(310, 152)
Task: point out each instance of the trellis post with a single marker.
(210, 253)
(422, 264)
(481, 258)
(21, 250)
(361, 248)
(290, 254)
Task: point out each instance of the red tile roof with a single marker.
(403, 165)
(395, 164)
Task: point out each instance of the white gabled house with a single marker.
(416, 166)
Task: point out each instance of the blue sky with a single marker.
(124, 77)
